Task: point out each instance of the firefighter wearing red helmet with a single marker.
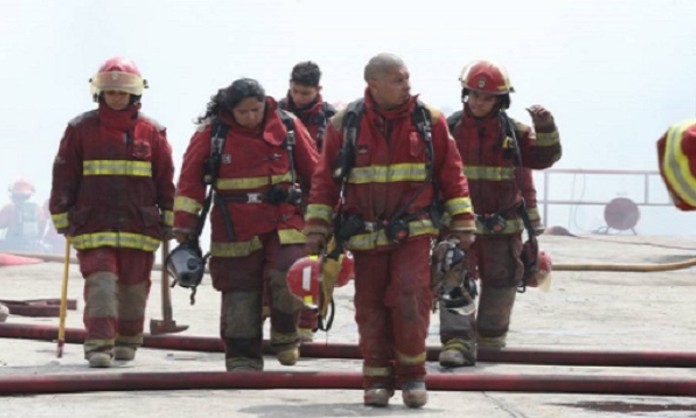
(381, 157)
(495, 150)
(113, 194)
(266, 160)
(21, 220)
(676, 151)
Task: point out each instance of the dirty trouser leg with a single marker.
(135, 267)
(285, 308)
(373, 318)
(409, 298)
(99, 267)
(240, 281)
(501, 270)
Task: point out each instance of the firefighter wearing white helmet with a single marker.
(113, 194)
(496, 151)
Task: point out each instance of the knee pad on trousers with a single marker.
(494, 311)
(456, 325)
(101, 295)
(241, 313)
(131, 301)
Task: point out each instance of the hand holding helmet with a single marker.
(464, 239)
(316, 242)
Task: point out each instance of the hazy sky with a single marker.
(614, 73)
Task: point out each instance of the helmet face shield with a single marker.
(117, 81)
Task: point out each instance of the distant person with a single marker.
(256, 217)
(384, 158)
(498, 155)
(113, 194)
(304, 100)
(676, 150)
(21, 220)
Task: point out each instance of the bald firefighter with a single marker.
(113, 194)
(386, 157)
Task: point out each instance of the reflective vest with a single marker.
(677, 161)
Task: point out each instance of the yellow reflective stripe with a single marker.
(377, 371)
(60, 220)
(246, 183)
(94, 344)
(115, 239)
(168, 217)
(235, 249)
(135, 340)
(491, 173)
(117, 168)
(370, 240)
(676, 164)
(319, 211)
(459, 205)
(411, 360)
(547, 139)
(291, 236)
(388, 173)
(533, 214)
(512, 226)
(186, 204)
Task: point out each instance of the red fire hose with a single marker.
(535, 355)
(70, 383)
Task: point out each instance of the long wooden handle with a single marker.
(166, 295)
(64, 298)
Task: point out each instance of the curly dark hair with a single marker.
(230, 96)
(306, 73)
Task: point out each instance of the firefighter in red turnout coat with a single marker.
(495, 158)
(402, 152)
(256, 218)
(113, 194)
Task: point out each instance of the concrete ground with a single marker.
(582, 310)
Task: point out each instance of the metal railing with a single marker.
(646, 174)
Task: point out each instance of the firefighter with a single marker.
(495, 151)
(266, 161)
(304, 101)
(113, 194)
(676, 157)
(21, 219)
(401, 153)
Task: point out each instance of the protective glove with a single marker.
(464, 238)
(316, 242)
(541, 118)
(181, 236)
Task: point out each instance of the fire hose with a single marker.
(71, 383)
(539, 356)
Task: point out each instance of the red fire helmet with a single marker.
(119, 74)
(486, 77)
(303, 280)
(347, 272)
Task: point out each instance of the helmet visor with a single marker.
(118, 81)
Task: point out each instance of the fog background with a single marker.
(614, 73)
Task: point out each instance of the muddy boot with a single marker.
(414, 393)
(99, 359)
(124, 353)
(458, 353)
(243, 364)
(378, 396)
(288, 357)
